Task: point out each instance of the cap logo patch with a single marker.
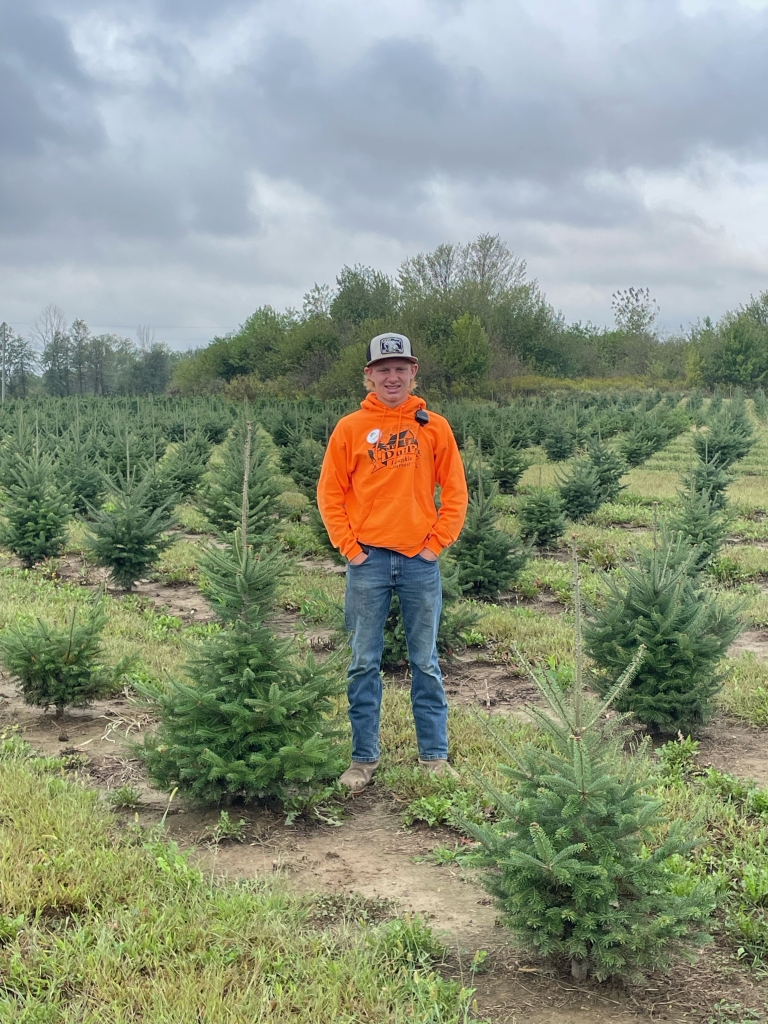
(373, 437)
(391, 346)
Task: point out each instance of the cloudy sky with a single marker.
(180, 162)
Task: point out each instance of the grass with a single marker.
(99, 927)
(745, 693)
(537, 633)
(179, 563)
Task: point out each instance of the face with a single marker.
(391, 379)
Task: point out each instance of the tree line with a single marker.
(478, 323)
(61, 359)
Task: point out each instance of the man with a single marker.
(376, 495)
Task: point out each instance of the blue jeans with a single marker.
(370, 587)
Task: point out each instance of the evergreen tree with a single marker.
(661, 602)
(703, 525)
(127, 535)
(250, 722)
(507, 464)
(488, 560)
(303, 463)
(570, 838)
(79, 473)
(220, 498)
(60, 667)
(541, 518)
(35, 510)
(728, 438)
(706, 477)
(559, 443)
(183, 465)
(580, 491)
(609, 467)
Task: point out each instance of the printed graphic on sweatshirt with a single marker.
(400, 450)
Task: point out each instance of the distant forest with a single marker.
(479, 326)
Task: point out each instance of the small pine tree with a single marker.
(559, 443)
(220, 497)
(304, 463)
(488, 560)
(127, 535)
(609, 467)
(250, 722)
(660, 601)
(541, 518)
(703, 525)
(569, 843)
(60, 667)
(706, 477)
(508, 464)
(728, 438)
(761, 404)
(36, 512)
(184, 464)
(580, 492)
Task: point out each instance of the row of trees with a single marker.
(477, 322)
(63, 359)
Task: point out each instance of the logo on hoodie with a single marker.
(398, 451)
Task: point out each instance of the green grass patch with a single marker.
(745, 693)
(101, 927)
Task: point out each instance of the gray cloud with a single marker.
(185, 142)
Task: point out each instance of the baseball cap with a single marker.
(390, 346)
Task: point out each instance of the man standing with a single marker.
(376, 495)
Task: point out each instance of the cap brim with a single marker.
(383, 359)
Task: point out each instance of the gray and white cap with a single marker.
(390, 346)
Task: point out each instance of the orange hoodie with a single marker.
(377, 484)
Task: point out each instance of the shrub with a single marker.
(126, 535)
(661, 602)
(583, 862)
(60, 667)
(36, 511)
(541, 518)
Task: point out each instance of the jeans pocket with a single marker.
(427, 561)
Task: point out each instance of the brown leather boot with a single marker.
(358, 775)
(439, 767)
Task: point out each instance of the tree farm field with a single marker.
(127, 898)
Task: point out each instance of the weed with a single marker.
(125, 798)
(227, 830)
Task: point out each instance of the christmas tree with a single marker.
(220, 497)
(60, 667)
(661, 601)
(507, 464)
(488, 560)
(127, 535)
(702, 524)
(582, 859)
(727, 439)
(609, 467)
(541, 518)
(580, 491)
(708, 478)
(250, 722)
(35, 509)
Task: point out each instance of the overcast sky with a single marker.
(180, 162)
